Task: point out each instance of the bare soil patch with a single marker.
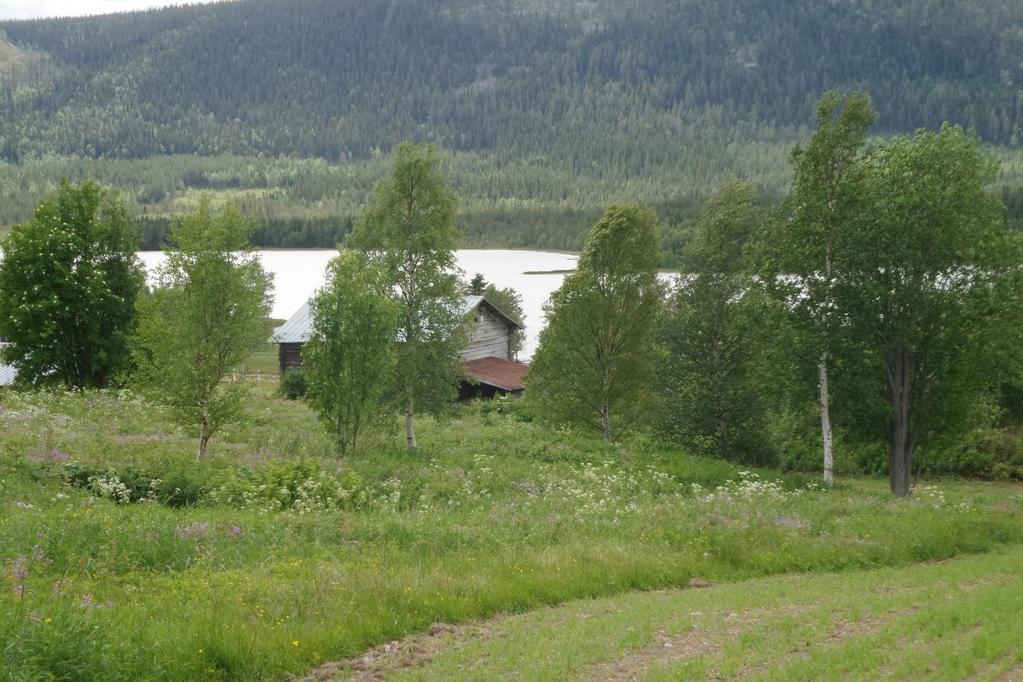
(410, 652)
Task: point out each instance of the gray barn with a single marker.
(488, 357)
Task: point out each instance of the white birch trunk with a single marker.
(605, 423)
(410, 426)
(825, 404)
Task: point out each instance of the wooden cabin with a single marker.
(490, 365)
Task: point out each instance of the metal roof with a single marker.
(299, 327)
(7, 373)
(471, 303)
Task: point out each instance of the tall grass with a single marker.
(493, 514)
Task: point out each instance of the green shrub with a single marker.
(293, 384)
(180, 489)
(300, 486)
(987, 453)
(127, 485)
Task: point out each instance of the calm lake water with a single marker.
(298, 274)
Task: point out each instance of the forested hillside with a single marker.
(553, 105)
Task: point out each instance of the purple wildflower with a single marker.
(19, 571)
(58, 455)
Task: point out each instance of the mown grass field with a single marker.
(124, 558)
(953, 620)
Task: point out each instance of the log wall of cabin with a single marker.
(289, 355)
(490, 337)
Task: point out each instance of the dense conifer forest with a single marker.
(548, 110)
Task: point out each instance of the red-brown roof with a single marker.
(503, 374)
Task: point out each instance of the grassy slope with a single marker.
(493, 515)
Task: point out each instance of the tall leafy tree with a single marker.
(931, 285)
(823, 205)
(205, 316)
(68, 284)
(409, 232)
(593, 365)
(349, 361)
(712, 340)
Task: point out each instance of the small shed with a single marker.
(490, 364)
(291, 336)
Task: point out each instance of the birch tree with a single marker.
(593, 366)
(409, 232)
(206, 315)
(822, 208)
(349, 361)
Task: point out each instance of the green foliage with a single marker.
(593, 365)
(711, 394)
(300, 486)
(800, 250)
(985, 453)
(408, 232)
(477, 285)
(294, 384)
(799, 259)
(68, 284)
(930, 285)
(66, 645)
(350, 357)
(126, 485)
(205, 316)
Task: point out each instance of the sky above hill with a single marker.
(33, 9)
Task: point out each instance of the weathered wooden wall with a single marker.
(490, 337)
(289, 355)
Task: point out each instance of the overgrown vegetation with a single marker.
(886, 282)
(264, 558)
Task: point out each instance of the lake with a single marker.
(299, 273)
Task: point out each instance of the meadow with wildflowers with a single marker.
(121, 557)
